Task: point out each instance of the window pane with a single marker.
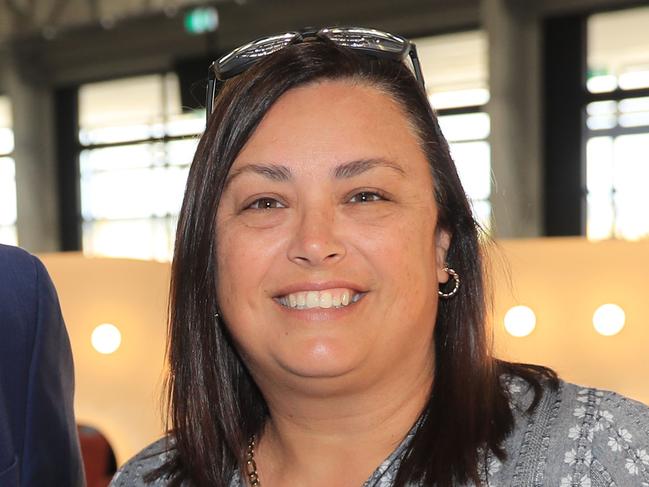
(6, 124)
(6, 140)
(630, 181)
(132, 190)
(617, 171)
(635, 79)
(6, 119)
(141, 239)
(455, 68)
(618, 50)
(136, 108)
(181, 152)
(470, 126)
(186, 124)
(121, 102)
(7, 191)
(122, 133)
(473, 162)
(132, 193)
(8, 235)
(601, 122)
(171, 95)
(121, 157)
(601, 216)
(482, 213)
(599, 165)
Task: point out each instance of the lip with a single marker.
(306, 286)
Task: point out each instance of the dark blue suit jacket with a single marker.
(39, 445)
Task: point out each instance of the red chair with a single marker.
(98, 457)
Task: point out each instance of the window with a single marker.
(137, 147)
(455, 70)
(8, 234)
(617, 125)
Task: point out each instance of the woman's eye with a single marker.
(265, 204)
(366, 197)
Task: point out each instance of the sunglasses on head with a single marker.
(367, 41)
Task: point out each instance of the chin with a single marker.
(320, 359)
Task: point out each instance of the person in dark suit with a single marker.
(39, 445)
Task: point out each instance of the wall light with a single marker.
(520, 321)
(608, 319)
(106, 338)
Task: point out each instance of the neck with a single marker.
(319, 440)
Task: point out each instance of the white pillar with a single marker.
(514, 39)
(34, 153)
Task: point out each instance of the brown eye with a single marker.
(265, 204)
(366, 197)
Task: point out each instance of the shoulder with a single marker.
(24, 280)
(605, 435)
(10, 253)
(18, 268)
(581, 436)
(132, 473)
(24, 287)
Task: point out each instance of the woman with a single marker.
(327, 323)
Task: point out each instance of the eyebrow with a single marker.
(277, 172)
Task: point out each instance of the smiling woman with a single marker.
(315, 338)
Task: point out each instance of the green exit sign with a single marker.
(201, 20)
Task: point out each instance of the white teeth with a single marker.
(336, 298)
(312, 299)
(325, 300)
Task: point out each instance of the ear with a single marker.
(442, 243)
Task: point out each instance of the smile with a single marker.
(326, 298)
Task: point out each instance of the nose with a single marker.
(315, 243)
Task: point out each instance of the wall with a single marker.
(563, 280)
(119, 394)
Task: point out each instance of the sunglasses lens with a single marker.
(241, 58)
(367, 39)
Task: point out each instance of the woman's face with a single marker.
(328, 253)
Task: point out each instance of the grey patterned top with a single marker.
(577, 437)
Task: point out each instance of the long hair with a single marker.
(214, 404)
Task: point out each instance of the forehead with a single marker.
(332, 122)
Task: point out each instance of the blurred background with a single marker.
(545, 104)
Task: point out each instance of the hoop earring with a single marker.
(456, 287)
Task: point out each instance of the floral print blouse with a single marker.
(576, 437)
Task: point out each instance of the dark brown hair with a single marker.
(214, 405)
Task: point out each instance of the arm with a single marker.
(51, 454)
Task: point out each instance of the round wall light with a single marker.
(106, 338)
(520, 321)
(609, 319)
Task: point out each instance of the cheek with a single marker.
(405, 249)
(238, 266)
(403, 256)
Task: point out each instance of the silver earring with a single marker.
(217, 315)
(456, 278)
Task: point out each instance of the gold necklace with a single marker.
(251, 465)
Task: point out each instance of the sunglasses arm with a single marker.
(210, 92)
(416, 66)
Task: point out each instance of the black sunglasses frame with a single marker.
(216, 76)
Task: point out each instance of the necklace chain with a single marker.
(251, 465)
